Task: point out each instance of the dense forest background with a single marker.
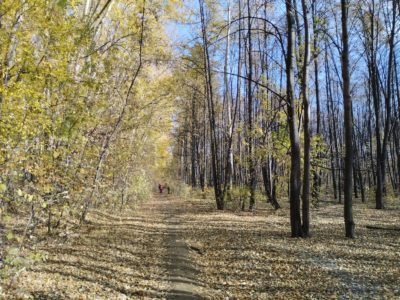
(292, 103)
(295, 99)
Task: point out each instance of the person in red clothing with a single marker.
(160, 188)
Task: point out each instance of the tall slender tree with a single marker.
(306, 124)
(295, 171)
(348, 126)
(216, 176)
(250, 125)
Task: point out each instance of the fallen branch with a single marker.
(382, 228)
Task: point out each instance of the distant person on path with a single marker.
(160, 188)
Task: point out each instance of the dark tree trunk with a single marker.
(306, 125)
(330, 130)
(348, 126)
(270, 184)
(317, 174)
(252, 170)
(211, 111)
(295, 171)
(193, 143)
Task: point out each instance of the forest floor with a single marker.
(169, 248)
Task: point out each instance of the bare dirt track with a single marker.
(169, 248)
(135, 254)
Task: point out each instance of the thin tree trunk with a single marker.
(193, 142)
(210, 101)
(317, 174)
(307, 137)
(348, 126)
(252, 170)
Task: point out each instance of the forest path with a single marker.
(181, 274)
(138, 253)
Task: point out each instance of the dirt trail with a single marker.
(181, 274)
(136, 254)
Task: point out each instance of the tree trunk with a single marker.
(317, 174)
(193, 142)
(348, 126)
(295, 172)
(269, 185)
(252, 170)
(307, 137)
(210, 101)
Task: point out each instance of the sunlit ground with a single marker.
(242, 255)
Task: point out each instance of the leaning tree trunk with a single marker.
(211, 110)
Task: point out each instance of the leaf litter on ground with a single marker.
(238, 255)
